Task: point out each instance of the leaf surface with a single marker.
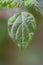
(22, 28)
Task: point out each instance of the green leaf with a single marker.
(21, 28)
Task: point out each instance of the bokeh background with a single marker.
(10, 54)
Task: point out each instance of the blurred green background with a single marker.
(10, 54)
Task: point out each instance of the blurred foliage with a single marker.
(19, 3)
